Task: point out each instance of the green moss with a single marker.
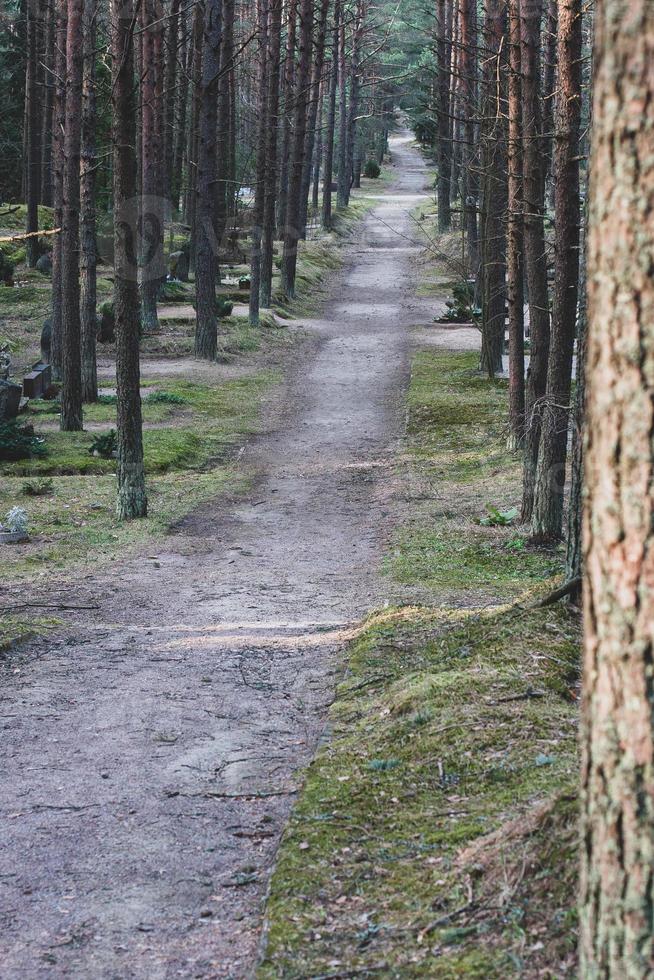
(369, 861)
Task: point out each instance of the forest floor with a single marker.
(156, 740)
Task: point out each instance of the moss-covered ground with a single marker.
(435, 835)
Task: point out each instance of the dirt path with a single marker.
(151, 749)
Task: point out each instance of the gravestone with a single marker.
(37, 382)
(178, 264)
(44, 264)
(46, 342)
(10, 395)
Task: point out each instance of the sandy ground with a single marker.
(153, 747)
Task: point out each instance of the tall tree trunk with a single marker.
(206, 324)
(292, 232)
(312, 113)
(318, 156)
(58, 126)
(535, 255)
(33, 119)
(152, 167)
(260, 171)
(547, 519)
(330, 134)
(443, 112)
(515, 238)
(495, 191)
(617, 878)
(131, 500)
(48, 102)
(468, 25)
(172, 45)
(343, 191)
(71, 362)
(549, 95)
(181, 113)
(225, 175)
(355, 88)
(272, 153)
(88, 256)
(287, 122)
(574, 545)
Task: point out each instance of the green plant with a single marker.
(461, 308)
(172, 289)
(104, 445)
(224, 306)
(107, 399)
(498, 518)
(165, 398)
(19, 442)
(16, 521)
(38, 488)
(372, 170)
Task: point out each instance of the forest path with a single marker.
(151, 747)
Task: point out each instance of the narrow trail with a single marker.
(151, 748)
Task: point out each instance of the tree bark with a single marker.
(71, 363)
(153, 270)
(225, 173)
(318, 58)
(287, 122)
(48, 102)
(495, 191)
(206, 323)
(515, 238)
(617, 876)
(443, 113)
(547, 522)
(535, 255)
(272, 153)
(343, 187)
(131, 499)
(88, 256)
(468, 26)
(297, 161)
(328, 174)
(256, 236)
(58, 126)
(33, 120)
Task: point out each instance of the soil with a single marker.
(154, 745)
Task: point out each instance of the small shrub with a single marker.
(461, 308)
(105, 445)
(19, 442)
(498, 518)
(107, 400)
(372, 170)
(38, 488)
(224, 306)
(165, 398)
(16, 521)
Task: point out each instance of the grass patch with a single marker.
(436, 744)
(188, 461)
